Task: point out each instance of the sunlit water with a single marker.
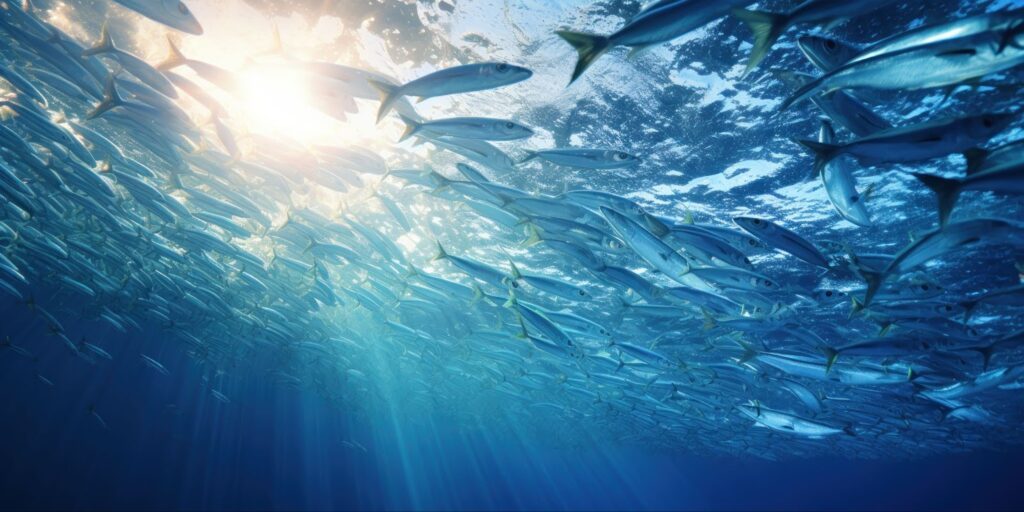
(362, 402)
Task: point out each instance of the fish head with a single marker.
(765, 284)
(178, 15)
(825, 52)
(983, 127)
(828, 295)
(621, 157)
(503, 73)
(754, 225)
(512, 129)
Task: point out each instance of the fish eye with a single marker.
(925, 345)
(510, 125)
(828, 293)
(182, 8)
(582, 293)
(621, 156)
(830, 44)
(768, 283)
(757, 222)
(924, 287)
(502, 67)
(988, 122)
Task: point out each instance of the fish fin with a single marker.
(104, 45)
(947, 190)
(411, 127)
(749, 353)
(823, 152)
(530, 155)
(856, 307)
(111, 100)
(975, 159)
(709, 320)
(808, 90)
(831, 355)
(512, 302)
(767, 27)
(534, 238)
(174, 57)
(440, 252)
(389, 94)
(516, 275)
(588, 46)
(968, 306)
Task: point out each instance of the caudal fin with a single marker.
(111, 99)
(104, 45)
(947, 190)
(440, 253)
(530, 155)
(823, 152)
(767, 27)
(389, 94)
(411, 127)
(588, 46)
(174, 57)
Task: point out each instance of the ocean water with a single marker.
(257, 295)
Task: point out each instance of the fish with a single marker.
(659, 23)
(789, 423)
(840, 184)
(585, 158)
(942, 63)
(172, 13)
(454, 80)
(768, 27)
(480, 128)
(134, 65)
(914, 143)
(1005, 179)
(783, 239)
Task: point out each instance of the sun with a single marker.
(275, 100)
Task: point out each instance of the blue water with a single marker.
(325, 391)
(169, 445)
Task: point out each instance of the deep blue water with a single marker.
(170, 446)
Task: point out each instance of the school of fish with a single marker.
(336, 268)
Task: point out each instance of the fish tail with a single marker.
(856, 307)
(411, 127)
(874, 282)
(975, 159)
(831, 356)
(104, 45)
(823, 152)
(588, 46)
(516, 275)
(968, 306)
(749, 352)
(440, 252)
(530, 155)
(174, 57)
(947, 190)
(709, 319)
(111, 100)
(534, 237)
(767, 27)
(389, 94)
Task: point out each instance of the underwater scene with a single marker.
(511, 254)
